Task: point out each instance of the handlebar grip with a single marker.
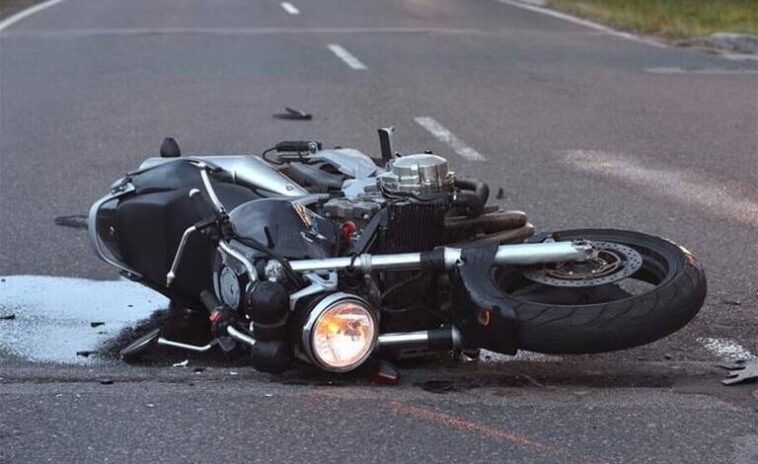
(209, 300)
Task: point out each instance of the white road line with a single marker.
(725, 348)
(583, 22)
(609, 31)
(722, 200)
(701, 71)
(347, 57)
(290, 8)
(444, 135)
(9, 21)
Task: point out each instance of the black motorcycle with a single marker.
(333, 257)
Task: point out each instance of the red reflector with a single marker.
(348, 227)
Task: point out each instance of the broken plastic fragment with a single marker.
(745, 374)
(294, 115)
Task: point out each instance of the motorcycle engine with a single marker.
(412, 192)
(417, 175)
(400, 209)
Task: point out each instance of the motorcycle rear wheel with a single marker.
(663, 294)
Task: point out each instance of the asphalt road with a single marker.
(580, 128)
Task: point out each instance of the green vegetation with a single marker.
(675, 19)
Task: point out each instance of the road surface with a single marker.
(580, 128)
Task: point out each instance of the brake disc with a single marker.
(610, 262)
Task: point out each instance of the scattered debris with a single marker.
(181, 364)
(233, 373)
(106, 382)
(732, 365)
(77, 221)
(7, 317)
(268, 395)
(150, 405)
(732, 302)
(294, 115)
(748, 372)
(85, 353)
(386, 373)
(96, 324)
(437, 386)
(500, 193)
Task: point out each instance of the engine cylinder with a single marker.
(416, 175)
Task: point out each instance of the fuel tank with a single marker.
(248, 170)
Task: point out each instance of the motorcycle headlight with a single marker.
(340, 332)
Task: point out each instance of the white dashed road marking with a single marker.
(726, 349)
(724, 201)
(290, 8)
(7, 22)
(347, 57)
(444, 135)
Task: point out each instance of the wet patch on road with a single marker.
(54, 316)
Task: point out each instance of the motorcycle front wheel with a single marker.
(636, 289)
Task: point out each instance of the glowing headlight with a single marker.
(340, 332)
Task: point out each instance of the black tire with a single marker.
(677, 295)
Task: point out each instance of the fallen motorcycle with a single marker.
(333, 257)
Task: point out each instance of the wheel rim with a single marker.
(623, 270)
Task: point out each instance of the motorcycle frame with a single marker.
(442, 259)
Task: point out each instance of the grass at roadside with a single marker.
(676, 19)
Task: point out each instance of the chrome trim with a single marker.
(211, 191)
(521, 254)
(318, 310)
(240, 336)
(457, 337)
(363, 262)
(226, 248)
(178, 256)
(418, 339)
(247, 170)
(318, 285)
(185, 346)
(94, 239)
(536, 253)
(403, 339)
